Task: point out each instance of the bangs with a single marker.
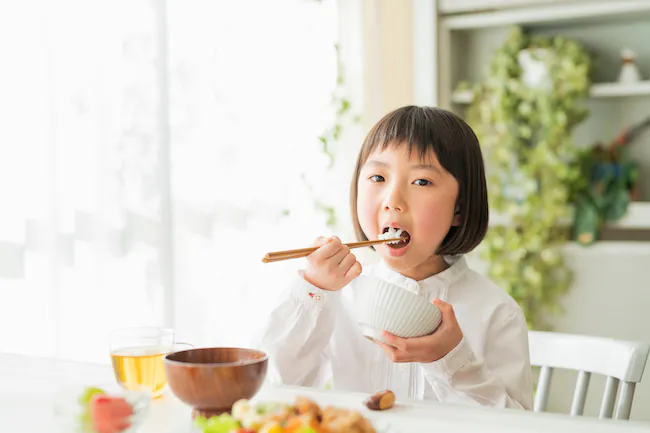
(421, 131)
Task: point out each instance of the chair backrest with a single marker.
(621, 361)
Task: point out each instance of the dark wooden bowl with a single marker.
(212, 379)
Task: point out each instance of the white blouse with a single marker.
(311, 337)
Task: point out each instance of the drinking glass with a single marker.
(137, 355)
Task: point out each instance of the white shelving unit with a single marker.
(455, 19)
(609, 294)
(597, 91)
(637, 217)
(552, 12)
(607, 274)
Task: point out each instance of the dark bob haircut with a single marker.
(426, 130)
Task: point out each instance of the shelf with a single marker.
(597, 91)
(615, 248)
(616, 90)
(548, 14)
(448, 7)
(637, 217)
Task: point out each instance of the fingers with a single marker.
(353, 272)
(339, 256)
(320, 241)
(332, 266)
(328, 249)
(395, 341)
(393, 353)
(408, 349)
(427, 348)
(348, 261)
(446, 311)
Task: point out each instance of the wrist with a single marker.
(314, 282)
(455, 341)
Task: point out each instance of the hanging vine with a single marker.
(329, 140)
(524, 114)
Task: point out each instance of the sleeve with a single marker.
(503, 378)
(296, 335)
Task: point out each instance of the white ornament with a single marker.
(629, 72)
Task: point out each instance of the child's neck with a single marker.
(432, 266)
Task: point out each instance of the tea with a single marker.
(138, 367)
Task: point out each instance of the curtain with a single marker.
(150, 153)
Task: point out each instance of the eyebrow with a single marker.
(426, 167)
(374, 162)
(431, 167)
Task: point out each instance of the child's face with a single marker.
(395, 190)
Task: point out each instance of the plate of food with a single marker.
(301, 416)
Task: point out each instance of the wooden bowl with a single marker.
(212, 379)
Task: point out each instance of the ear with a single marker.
(455, 222)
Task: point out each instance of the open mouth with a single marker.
(395, 232)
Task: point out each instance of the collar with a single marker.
(431, 287)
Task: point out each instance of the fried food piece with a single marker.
(381, 400)
(338, 420)
(305, 406)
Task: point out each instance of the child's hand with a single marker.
(332, 266)
(430, 347)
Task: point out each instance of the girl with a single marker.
(419, 169)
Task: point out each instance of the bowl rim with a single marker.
(216, 364)
(412, 297)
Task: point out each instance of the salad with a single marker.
(106, 409)
(303, 416)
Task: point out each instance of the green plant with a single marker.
(524, 119)
(330, 139)
(606, 184)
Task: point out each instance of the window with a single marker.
(149, 158)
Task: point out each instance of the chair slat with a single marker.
(580, 394)
(543, 386)
(609, 398)
(622, 362)
(624, 404)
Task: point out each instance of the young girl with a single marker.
(419, 169)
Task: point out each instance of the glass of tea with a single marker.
(137, 356)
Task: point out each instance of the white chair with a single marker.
(620, 361)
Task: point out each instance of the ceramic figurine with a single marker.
(629, 71)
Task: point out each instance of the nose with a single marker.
(394, 199)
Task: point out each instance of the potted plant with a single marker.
(607, 184)
(524, 114)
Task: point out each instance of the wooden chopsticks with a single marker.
(278, 256)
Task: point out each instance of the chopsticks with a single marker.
(278, 256)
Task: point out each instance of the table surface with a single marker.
(28, 387)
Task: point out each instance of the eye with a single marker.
(422, 182)
(376, 178)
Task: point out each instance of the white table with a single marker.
(28, 387)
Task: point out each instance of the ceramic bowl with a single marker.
(211, 380)
(382, 306)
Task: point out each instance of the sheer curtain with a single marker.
(151, 152)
